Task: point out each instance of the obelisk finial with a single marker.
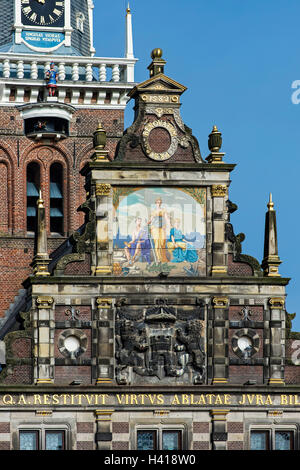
(271, 259)
(41, 258)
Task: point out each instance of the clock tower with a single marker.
(59, 27)
(46, 140)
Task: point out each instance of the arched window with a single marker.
(56, 199)
(32, 194)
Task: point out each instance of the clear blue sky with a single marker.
(238, 59)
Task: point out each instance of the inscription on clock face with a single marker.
(43, 12)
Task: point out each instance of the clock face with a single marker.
(43, 12)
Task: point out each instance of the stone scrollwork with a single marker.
(173, 137)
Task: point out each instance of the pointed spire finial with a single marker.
(41, 260)
(270, 204)
(128, 35)
(271, 259)
(40, 201)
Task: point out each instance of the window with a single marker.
(42, 440)
(260, 440)
(162, 439)
(284, 440)
(32, 194)
(272, 439)
(29, 440)
(56, 199)
(80, 21)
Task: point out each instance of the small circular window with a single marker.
(72, 343)
(245, 343)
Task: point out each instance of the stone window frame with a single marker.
(82, 338)
(48, 424)
(252, 334)
(159, 425)
(159, 433)
(271, 426)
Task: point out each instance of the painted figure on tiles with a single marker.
(139, 247)
(51, 77)
(179, 247)
(158, 224)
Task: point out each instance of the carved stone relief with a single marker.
(160, 344)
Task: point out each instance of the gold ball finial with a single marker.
(157, 53)
(215, 129)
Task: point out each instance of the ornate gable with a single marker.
(158, 132)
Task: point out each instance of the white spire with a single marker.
(129, 37)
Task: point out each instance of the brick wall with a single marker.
(16, 254)
(238, 269)
(257, 312)
(66, 374)
(85, 313)
(201, 435)
(16, 152)
(240, 374)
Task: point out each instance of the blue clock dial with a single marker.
(43, 12)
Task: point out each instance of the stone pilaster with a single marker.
(104, 429)
(219, 252)
(43, 324)
(219, 429)
(277, 335)
(104, 241)
(104, 340)
(220, 340)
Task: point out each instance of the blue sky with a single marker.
(238, 59)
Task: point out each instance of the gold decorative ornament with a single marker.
(103, 189)
(104, 415)
(219, 270)
(44, 302)
(219, 415)
(218, 190)
(43, 412)
(220, 302)
(103, 302)
(103, 270)
(276, 302)
(101, 381)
